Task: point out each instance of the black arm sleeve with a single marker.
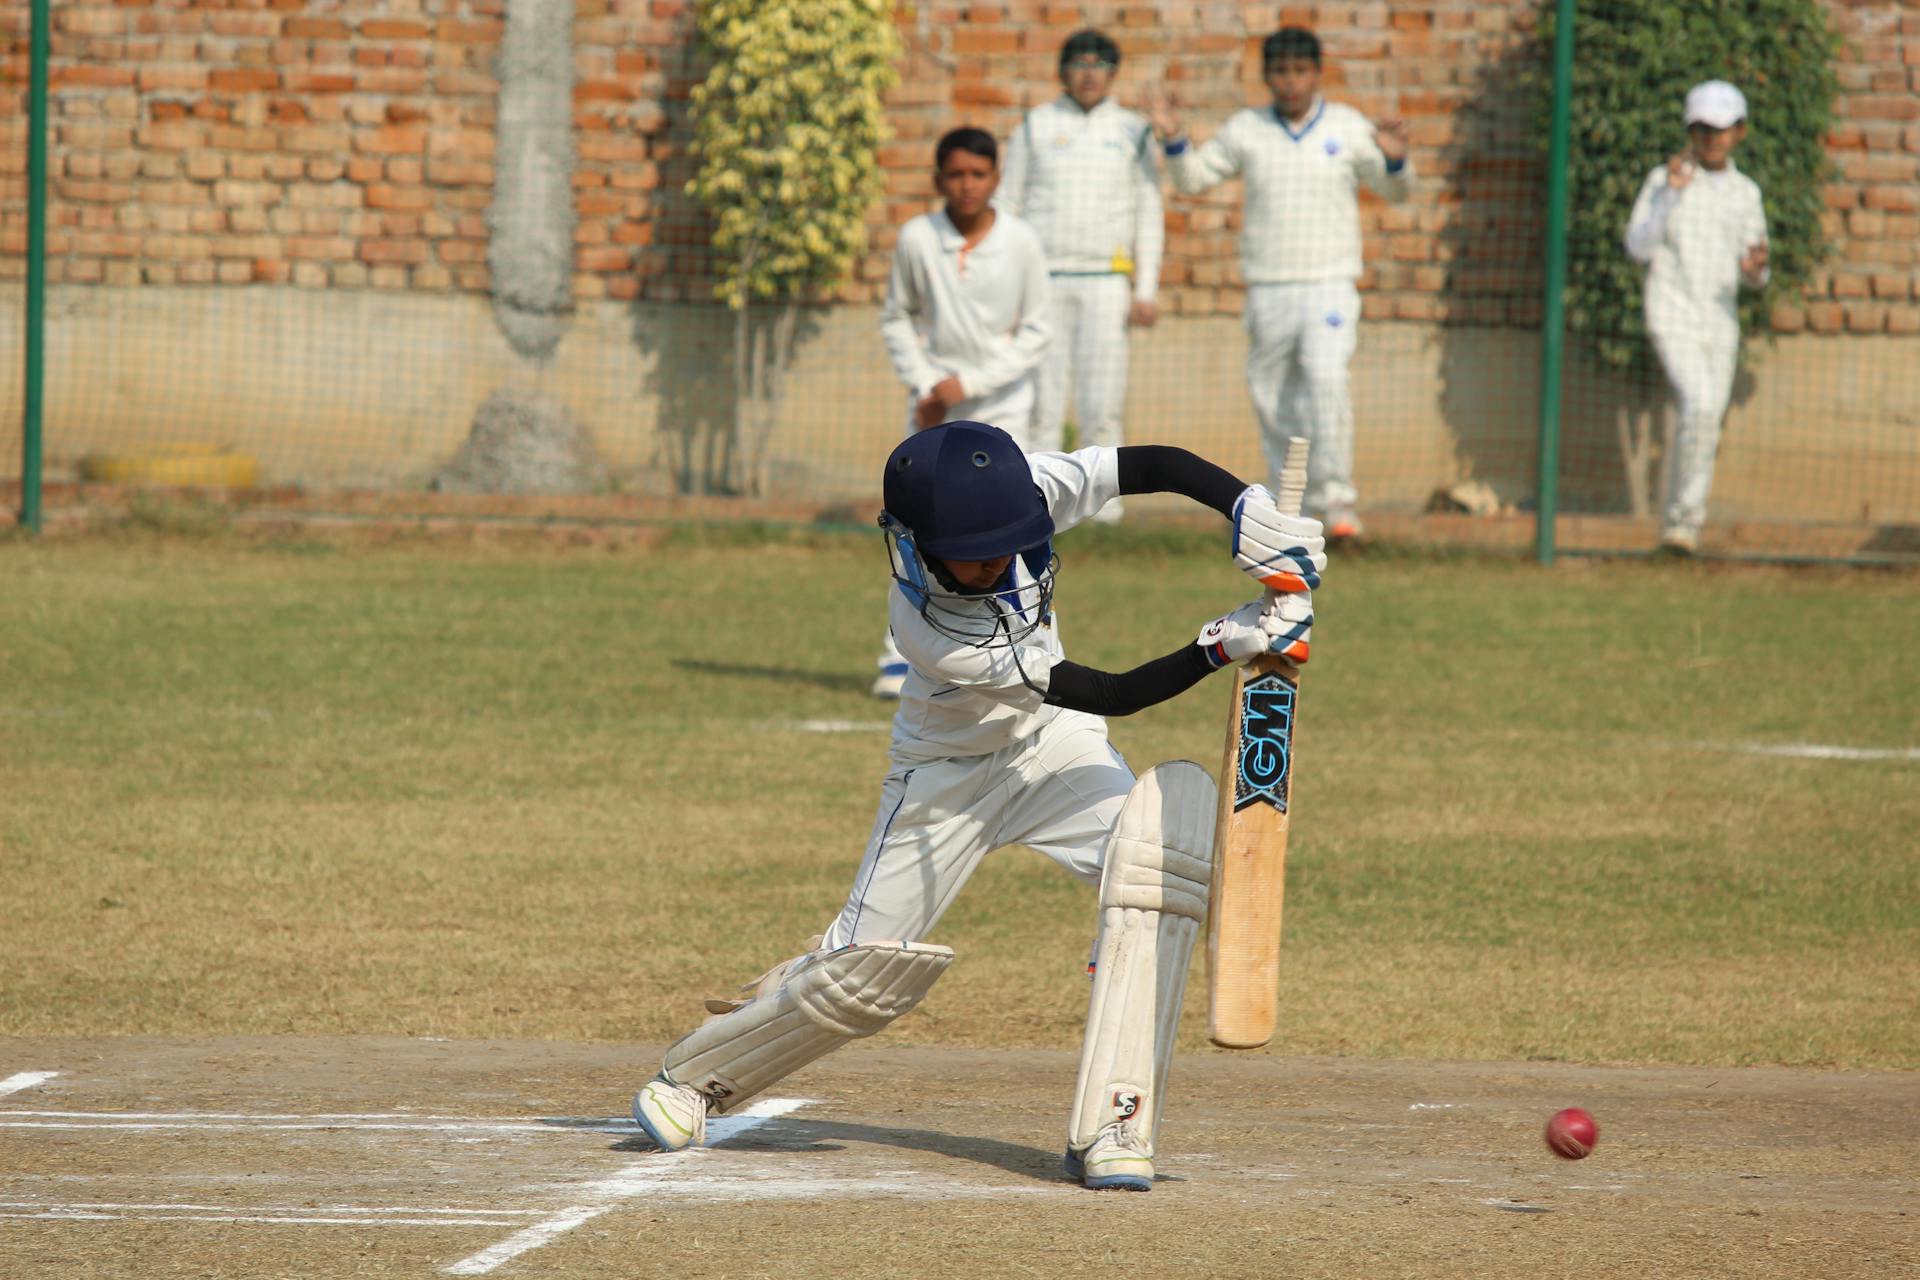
(1102, 693)
(1164, 468)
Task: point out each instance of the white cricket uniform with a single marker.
(1089, 183)
(979, 314)
(1692, 240)
(978, 760)
(1300, 254)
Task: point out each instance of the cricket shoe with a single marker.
(673, 1115)
(892, 679)
(1678, 540)
(1112, 1163)
(1344, 526)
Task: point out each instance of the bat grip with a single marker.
(1293, 485)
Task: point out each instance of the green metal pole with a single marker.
(1554, 319)
(36, 267)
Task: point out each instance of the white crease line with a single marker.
(1814, 751)
(316, 1115)
(437, 1211)
(56, 1215)
(843, 726)
(145, 1126)
(24, 1080)
(1434, 1106)
(148, 1121)
(608, 1192)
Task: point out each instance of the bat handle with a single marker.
(1293, 483)
(1293, 477)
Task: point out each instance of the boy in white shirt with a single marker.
(1082, 170)
(1304, 159)
(1701, 230)
(965, 319)
(1000, 740)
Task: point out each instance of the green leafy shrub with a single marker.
(787, 126)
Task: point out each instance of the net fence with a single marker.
(334, 252)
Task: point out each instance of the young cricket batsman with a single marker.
(1303, 159)
(1699, 227)
(1085, 172)
(999, 739)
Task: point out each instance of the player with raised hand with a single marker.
(999, 739)
(1701, 229)
(1304, 160)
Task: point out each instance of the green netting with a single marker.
(345, 251)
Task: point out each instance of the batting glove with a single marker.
(1282, 625)
(1278, 551)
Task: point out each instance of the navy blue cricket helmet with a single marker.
(964, 491)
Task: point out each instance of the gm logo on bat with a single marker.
(1266, 741)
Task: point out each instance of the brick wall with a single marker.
(350, 144)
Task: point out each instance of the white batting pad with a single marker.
(825, 999)
(1153, 904)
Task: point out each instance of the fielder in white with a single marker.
(1303, 159)
(1701, 230)
(1083, 171)
(966, 316)
(999, 740)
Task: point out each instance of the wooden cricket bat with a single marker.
(1250, 838)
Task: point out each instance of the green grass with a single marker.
(329, 787)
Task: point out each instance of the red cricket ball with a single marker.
(1572, 1134)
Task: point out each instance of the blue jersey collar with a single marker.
(1319, 109)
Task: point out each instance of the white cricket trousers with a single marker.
(1301, 337)
(1088, 353)
(1058, 792)
(1699, 360)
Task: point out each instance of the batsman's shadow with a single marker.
(837, 681)
(826, 1135)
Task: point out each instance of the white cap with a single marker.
(1716, 104)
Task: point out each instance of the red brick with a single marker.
(1897, 199)
(450, 32)
(1903, 319)
(67, 76)
(1866, 317)
(317, 29)
(243, 79)
(1891, 284)
(316, 138)
(407, 252)
(393, 29)
(1786, 319)
(985, 40)
(1890, 106)
(387, 196)
(320, 82)
(391, 140)
(453, 171)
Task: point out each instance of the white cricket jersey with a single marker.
(1302, 219)
(964, 700)
(1089, 183)
(1692, 240)
(978, 313)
